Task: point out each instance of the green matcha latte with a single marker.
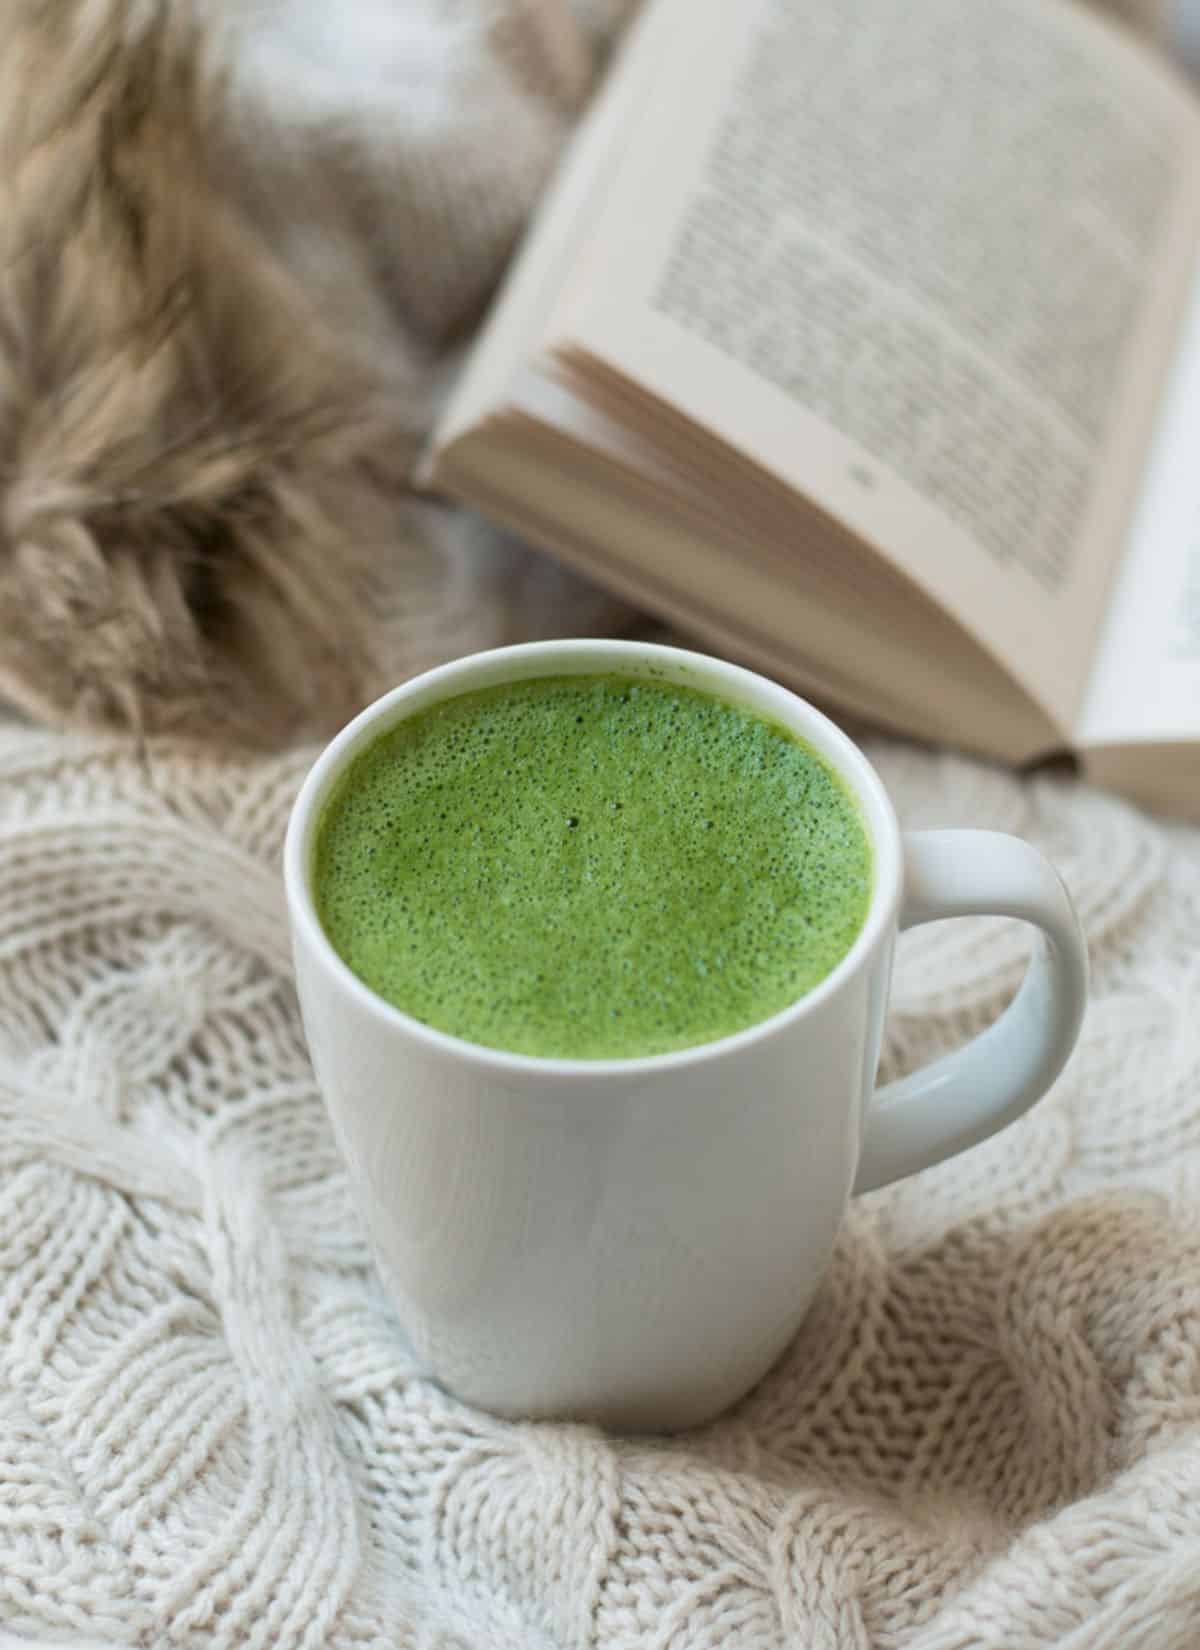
(590, 867)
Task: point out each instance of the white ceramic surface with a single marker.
(633, 1242)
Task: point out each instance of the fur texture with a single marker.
(223, 293)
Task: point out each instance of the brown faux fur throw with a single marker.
(236, 240)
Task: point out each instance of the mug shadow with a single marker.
(1010, 1369)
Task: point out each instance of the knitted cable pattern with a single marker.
(212, 1434)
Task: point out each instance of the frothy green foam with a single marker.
(590, 867)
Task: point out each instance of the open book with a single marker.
(862, 339)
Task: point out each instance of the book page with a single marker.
(926, 263)
(1145, 684)
(562, 224)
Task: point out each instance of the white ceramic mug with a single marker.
(633, 1242)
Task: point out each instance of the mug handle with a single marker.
(959, 1099)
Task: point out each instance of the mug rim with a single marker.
(501, 665)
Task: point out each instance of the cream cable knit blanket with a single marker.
(212, 1434)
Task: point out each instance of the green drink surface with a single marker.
(590, 867)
